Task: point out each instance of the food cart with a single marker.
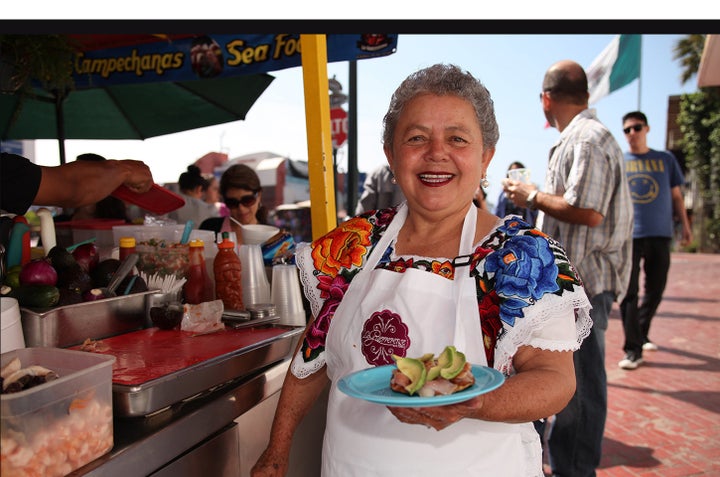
(210, 410)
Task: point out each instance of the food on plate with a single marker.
(429, 376)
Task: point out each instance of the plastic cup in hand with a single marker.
(255, 286)
(286, 295)
(520, 175)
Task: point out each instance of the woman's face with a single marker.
(242, 206)
(437, 153)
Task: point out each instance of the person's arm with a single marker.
(542, 386)
(681, 214)
(296, 399)
(553, 205)
(81, 183)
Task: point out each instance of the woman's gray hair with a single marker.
(441, 80)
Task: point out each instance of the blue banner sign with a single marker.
(215, 56)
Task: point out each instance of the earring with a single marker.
(484, 182)
(392, 178)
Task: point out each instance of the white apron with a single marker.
(386, 312)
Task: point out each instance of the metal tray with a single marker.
(66, 326)
(160, 393)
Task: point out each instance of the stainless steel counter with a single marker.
(145, 445)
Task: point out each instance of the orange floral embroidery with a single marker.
(344, 247)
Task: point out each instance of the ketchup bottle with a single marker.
(228, 275)
(197, 288)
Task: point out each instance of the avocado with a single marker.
(12, 277)
(69, 296)
(37, 296)
(60, 258)
(74, 277)
(415, 370)
(444, 360)
(455, 367)
(103, 272)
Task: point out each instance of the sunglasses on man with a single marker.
(634, 127)
(245, 201)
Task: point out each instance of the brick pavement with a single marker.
(664, 417)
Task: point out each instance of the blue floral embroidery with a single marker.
(525, 270)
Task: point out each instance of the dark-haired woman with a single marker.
(192, 184)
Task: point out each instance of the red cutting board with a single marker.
(158, 199)
(152, 353)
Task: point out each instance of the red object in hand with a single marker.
(158, 199)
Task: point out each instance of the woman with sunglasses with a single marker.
(242, 194)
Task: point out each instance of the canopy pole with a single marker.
(317, 119)
(60, 124)
(353, 174)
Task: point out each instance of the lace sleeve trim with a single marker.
(550, 310)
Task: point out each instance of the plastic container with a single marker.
(146, 233)
(164, 259)
(69, 233)
(57, 427)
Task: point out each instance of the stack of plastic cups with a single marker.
(286, 295)
(12, 332)
(255, 286)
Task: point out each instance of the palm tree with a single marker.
(689, 51)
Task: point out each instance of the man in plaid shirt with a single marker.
(586, 205)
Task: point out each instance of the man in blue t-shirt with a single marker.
(655, 181)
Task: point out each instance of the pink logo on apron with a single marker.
(383, 335)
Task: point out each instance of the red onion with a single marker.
(94, 294)
(38, 272)
(87, 256)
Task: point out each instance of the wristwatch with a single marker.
(530, 201)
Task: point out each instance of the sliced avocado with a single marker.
(415, 370)
(447, 356)
(455, 367)
(433, 372)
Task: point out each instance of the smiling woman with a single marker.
(496, 288)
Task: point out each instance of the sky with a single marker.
(511, 67)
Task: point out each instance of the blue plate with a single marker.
(373, 384)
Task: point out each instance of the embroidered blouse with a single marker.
(527, 290)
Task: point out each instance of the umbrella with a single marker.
(130, 111)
